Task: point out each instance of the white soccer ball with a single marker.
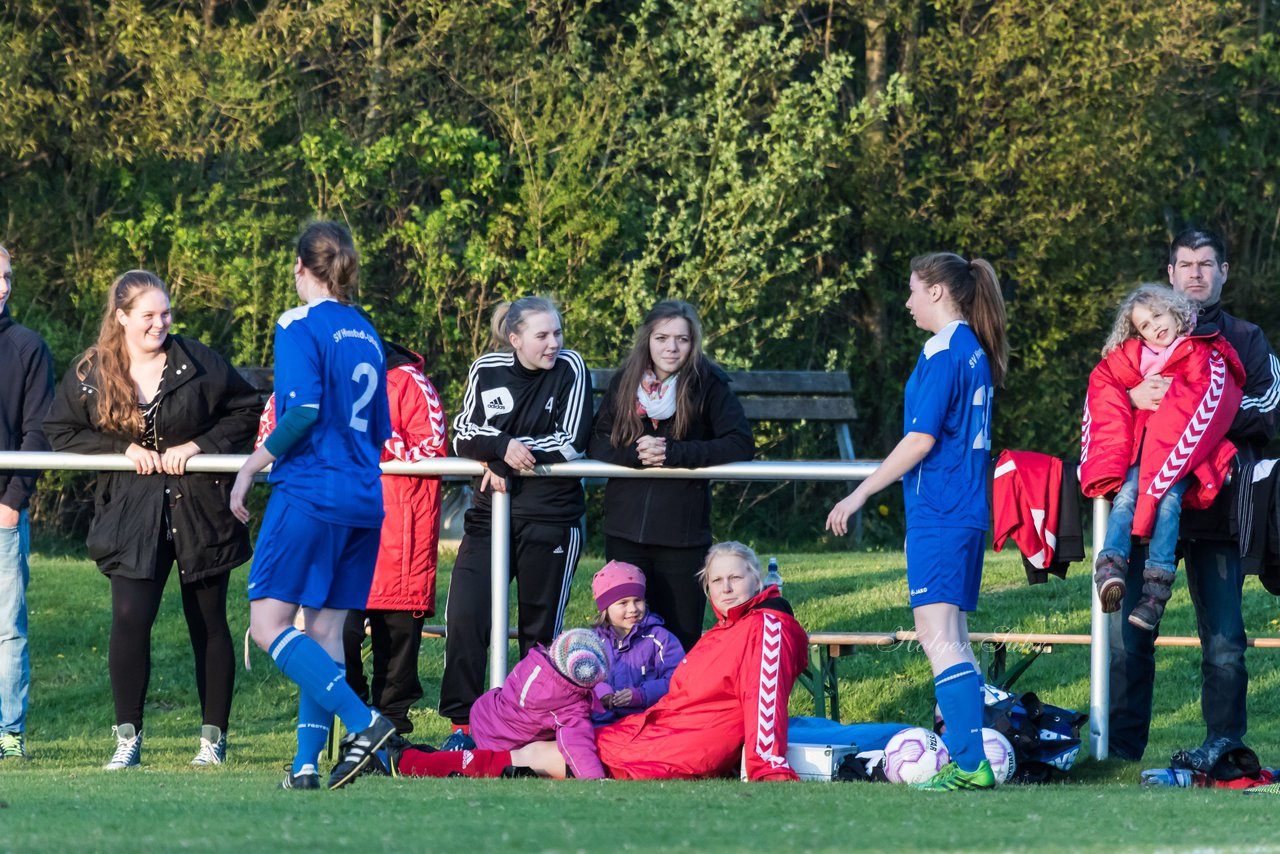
(1000, 754)
(914, 755)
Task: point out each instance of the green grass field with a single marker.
(61, 800)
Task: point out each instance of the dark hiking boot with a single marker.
(1157, 587)
(1108, 577)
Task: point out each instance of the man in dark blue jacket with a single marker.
(1198, 270)
(26, 391)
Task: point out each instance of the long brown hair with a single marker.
(116, 395)
(327, 250)
(976, 291)
(627, 426)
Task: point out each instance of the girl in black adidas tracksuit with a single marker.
(528, 403)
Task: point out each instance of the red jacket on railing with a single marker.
(1185, 436)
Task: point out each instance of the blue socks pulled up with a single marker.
(320, 680)
(959, 692)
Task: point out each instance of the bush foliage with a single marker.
(776, 162)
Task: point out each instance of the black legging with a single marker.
(134, 606)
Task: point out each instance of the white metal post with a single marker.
(1099, 647)
(499, 581)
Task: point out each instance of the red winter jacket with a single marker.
(1185, 436)
(730, 691)
(405, 577)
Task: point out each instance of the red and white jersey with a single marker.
(1025, 496)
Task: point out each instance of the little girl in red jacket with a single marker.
(1147, 459)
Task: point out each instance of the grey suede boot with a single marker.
(1108, 577)
(1157, 587)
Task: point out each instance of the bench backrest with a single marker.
(778, 395)
(765, 395)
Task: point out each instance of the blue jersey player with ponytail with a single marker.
(319, 539)
(942, 460)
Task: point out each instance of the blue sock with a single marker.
(313, 731)
(959, 691)
(319, 678)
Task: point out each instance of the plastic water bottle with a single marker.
(773, 577)
(1182, 778)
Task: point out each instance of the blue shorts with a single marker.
(304, 561)
(945, 565)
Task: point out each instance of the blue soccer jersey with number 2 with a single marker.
(949, 397)
(330, 357)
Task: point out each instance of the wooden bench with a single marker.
(827, 648)
(782, 396)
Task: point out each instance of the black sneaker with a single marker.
(393, 750)
(384, 761)
(515, 772)
(307, 778)
(358, 751)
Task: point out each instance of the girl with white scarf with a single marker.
(668, 405)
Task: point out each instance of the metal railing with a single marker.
(1100, 651)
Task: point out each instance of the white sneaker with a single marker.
(213, 747)
(128, 748)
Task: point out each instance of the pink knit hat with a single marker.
(616, 581)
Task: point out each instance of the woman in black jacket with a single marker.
(159, 399)
(669, 405)
(527, 403)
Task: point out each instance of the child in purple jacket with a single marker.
(641, 653)
(548, 695)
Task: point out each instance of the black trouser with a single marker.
(543, 559)
(672, 590)
(134, 605)
(396, 637)
(1214, 580)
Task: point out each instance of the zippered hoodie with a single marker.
(26, 393)
(643, 660)
(727, 700)
(537, 703)
(549, 411)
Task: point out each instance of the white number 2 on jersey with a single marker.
(982, 418)
(367, 374)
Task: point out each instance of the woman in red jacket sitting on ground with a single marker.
(727, 698)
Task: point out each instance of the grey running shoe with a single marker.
(306, 778)
(213, 747)
(357, 752)
(128, 748)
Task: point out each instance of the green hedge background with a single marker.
(776, 163)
